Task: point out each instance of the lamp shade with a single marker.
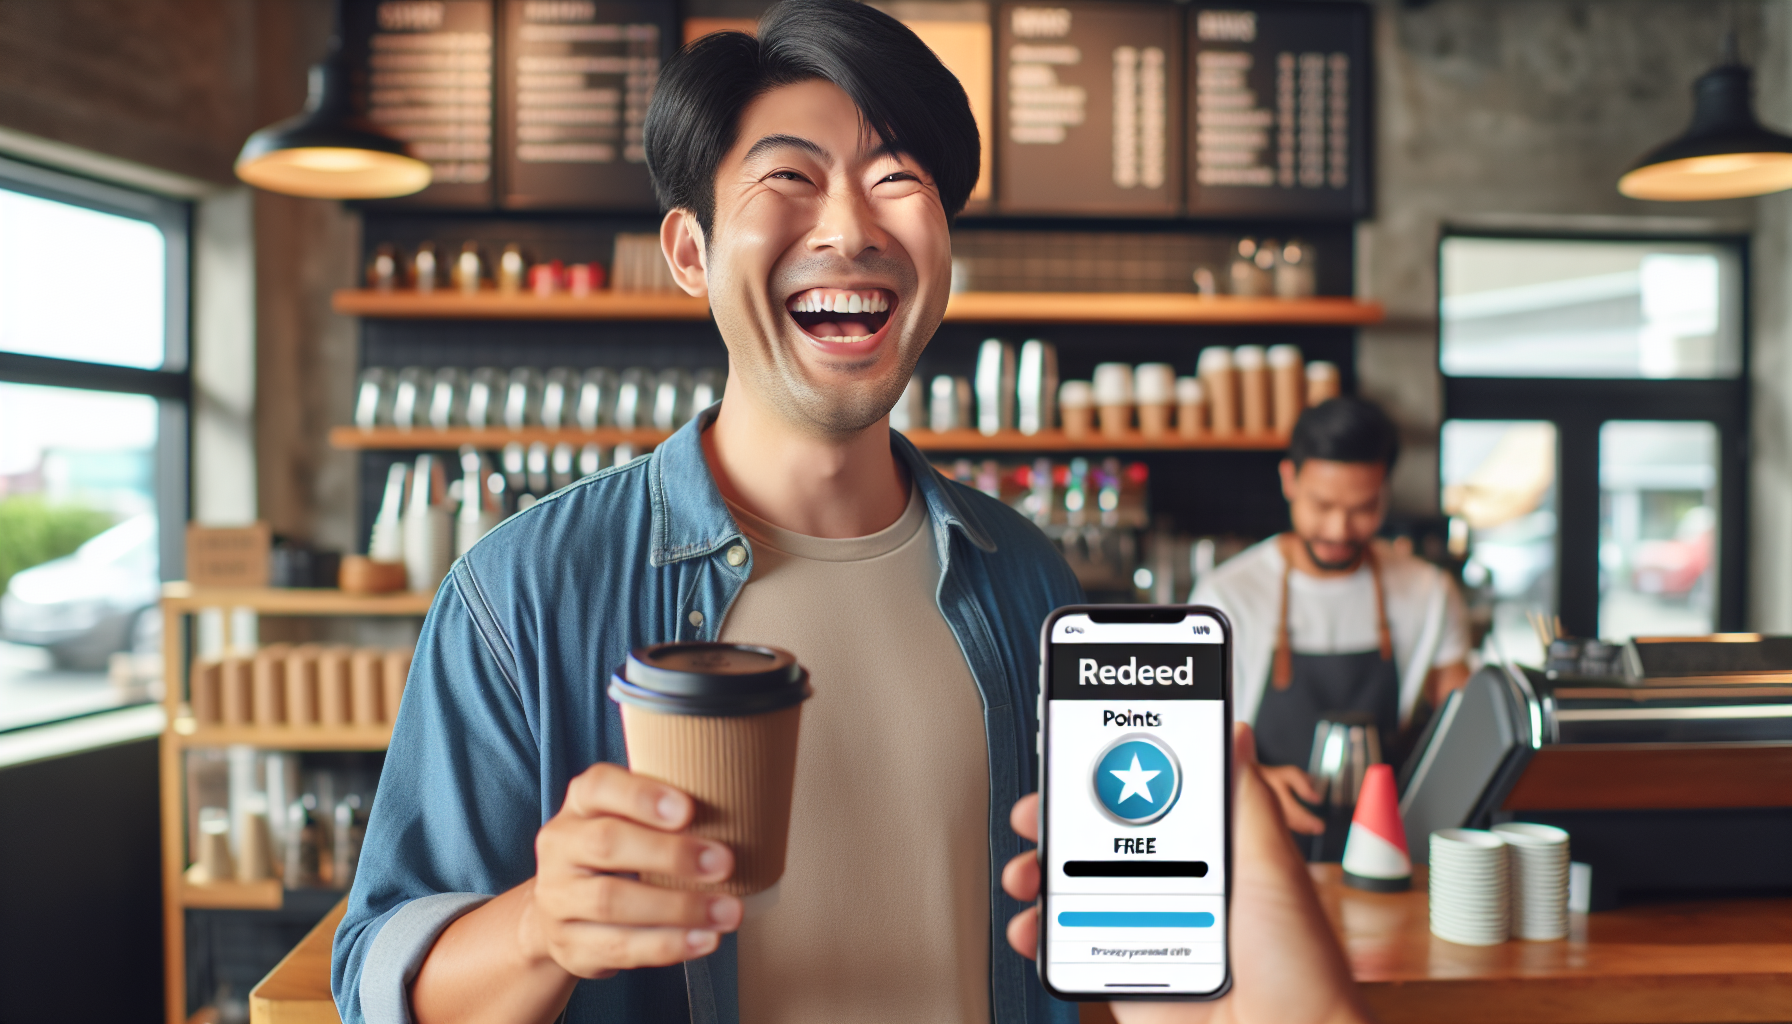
(1724, 154)
(328, 151)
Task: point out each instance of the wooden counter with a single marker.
(1678, 963)
(1721, 960)
(1717, 960)
(297, 990)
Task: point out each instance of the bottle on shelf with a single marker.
(1295, 275)
(995, 384)
(1036, 383)
(425, 269)
(512, 268)
(428, 536)
(468, 269)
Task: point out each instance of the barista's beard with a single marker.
(1355, 559)
(835, 410)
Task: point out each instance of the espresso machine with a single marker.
(1668, 763)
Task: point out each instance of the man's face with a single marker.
(1336, 508)
(828, 262)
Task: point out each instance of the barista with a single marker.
(1327, 618)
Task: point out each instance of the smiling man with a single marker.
(810, 176)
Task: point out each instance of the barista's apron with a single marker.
(1306, 687)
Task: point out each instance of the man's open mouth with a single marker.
(842, 316)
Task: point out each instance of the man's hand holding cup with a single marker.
(593, 920)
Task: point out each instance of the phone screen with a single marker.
(1135, 848)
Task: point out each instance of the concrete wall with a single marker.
(1770, 540)
(1515, 114)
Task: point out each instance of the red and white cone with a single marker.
(1375, 856)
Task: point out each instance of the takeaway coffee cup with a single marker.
(719, 721)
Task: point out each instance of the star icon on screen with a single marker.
(1137, 781)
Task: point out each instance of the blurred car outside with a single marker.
(85, 607)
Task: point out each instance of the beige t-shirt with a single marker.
(883, 912)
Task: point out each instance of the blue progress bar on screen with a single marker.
(1134, 919)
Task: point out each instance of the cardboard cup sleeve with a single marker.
(740, 770)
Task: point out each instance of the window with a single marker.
(1525, 307)
(1499, 481)
(1592, 454)
(93, 439)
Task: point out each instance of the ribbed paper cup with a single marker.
(1539, 879)
(720, 722)
(1470, 886)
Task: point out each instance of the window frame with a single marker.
(1579, 406)
(171, 384)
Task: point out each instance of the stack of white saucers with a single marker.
(1471, 887)
(1539, 855)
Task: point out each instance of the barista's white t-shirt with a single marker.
(1335, 615)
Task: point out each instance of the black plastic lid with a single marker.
(710, 679)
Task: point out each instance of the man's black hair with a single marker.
(1344, 429)
(902, 90)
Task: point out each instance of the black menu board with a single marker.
(577, 77)
(1279, 101)
(1089, 108)
(429, 82)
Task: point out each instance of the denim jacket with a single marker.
(506, 703)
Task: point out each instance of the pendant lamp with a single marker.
(1724, 154)
(328, 150)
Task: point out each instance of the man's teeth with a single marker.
(817, 300)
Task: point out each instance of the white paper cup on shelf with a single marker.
(1471, 888)
(1114, 397)
(1191, 407)
(1076, 406)
(1322, 382)
(1154, 389)
(1220, 380)
(1288, 387)
(1539, 858)
(1253, 389)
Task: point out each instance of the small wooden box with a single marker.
(228, 556)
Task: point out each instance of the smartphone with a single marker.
(1135, 845)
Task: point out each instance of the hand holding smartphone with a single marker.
(1136, 777)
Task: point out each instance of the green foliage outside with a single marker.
(33, 531)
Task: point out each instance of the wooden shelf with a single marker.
(391, 438)
(1157, 308)
(356, 439)
(493, 305)
(314, 737)
(965, 307)
(184, 597)
(263, 895)
(1057, 441)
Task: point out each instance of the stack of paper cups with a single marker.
(1220, 383)
(1539, 879)
(1471, 887)
(1154, 389)
(1322, 382)
(1113, 398)
(1253, 389)
(1076, 405)
(1191, 407)
(1288, 386)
